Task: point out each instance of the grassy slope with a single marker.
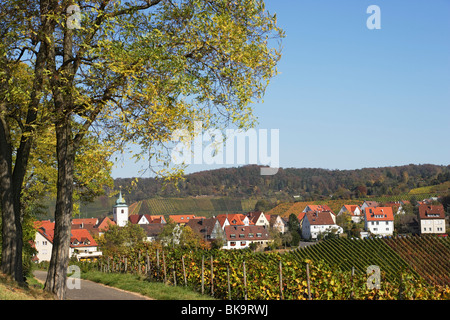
(9, 290)
(134, 283)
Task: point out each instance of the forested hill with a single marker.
(303, 183)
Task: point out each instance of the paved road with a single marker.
(94, 291)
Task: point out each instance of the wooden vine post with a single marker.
(184, 271)
(308, 281)
(281, 281)
(203, 274)
(212, 277)
(245, 281)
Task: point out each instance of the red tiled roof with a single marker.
(246, 233)
(428, 211)
(320, 218)
(235, 219)
(379, 214)
(83, 237)
(104, 224)
(92, 221)
(319, 207)
(300, 216)
(47, 230)
(181, 218)
(134, 218)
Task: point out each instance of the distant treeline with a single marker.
(304, 183)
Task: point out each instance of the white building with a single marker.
(82, 245)
(431, 219)
(315, 223)
(240, 237)
(379, 220)
(353, 210)
(120, 211)
(258, 218)
(43, 244)
(367, 204)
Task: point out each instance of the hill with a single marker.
(305, 184)
(238, 189)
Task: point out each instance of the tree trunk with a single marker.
(11, 179)
(8, 262)
(56, 277)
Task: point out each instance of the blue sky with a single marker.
(348, 97)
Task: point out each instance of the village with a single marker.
(253, 230)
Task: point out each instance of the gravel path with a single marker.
(94, 291)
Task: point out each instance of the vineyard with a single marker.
(201, 206)
(332, 269)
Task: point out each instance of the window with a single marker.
(122, 211)
(259, 235)
(232, 236)
(241, 235)
(232, 243)
(251, 235)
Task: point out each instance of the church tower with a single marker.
(120, 211)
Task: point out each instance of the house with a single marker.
(236, 219)
(240, 237)
(43, 241)
(103, 225)
(258, 218)
(181, 219)
(316, 223)
(379, 220)
(366, 204)
(94, 226)
(317, 208)
(82, 244)
(209, 229)
(431, 219)
(353, 210)
(146, 219)
(85, 221)
(277, 223)
(152, 230)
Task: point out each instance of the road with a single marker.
(89, 290)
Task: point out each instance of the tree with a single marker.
(137, 71)
(294, 229)
(174, 235)
(117, 240)
(263, 205)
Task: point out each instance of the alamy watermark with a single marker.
(73, 281)
(229, 147)
(73, 20)
(374, 20)
(373, 277)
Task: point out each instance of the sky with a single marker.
(350, 97)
